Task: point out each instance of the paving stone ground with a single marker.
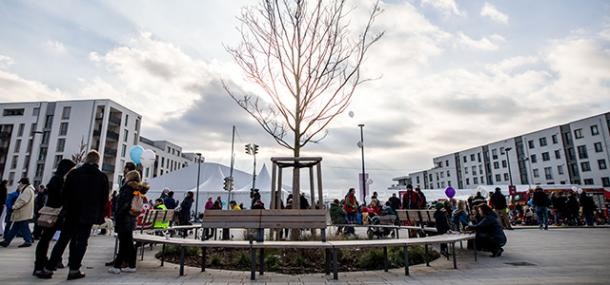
(558, 256)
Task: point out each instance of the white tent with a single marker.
(211, 182)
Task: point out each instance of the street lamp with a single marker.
(510, 176)
(361, 145)
(197, 194)
(252, 149)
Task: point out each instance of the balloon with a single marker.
(450, 192)
(135, 153)
(574, 189)
(579, 190)
(351, 114)
(148, 158)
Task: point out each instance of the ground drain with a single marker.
(520, 263)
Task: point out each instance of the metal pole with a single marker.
(510, 176)
(362, 152)
(197, 194)
(232, 165)
(254, 171)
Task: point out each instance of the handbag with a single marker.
(48, 217)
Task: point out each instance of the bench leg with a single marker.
(252, 264)
(162, 254)
(453, 253)
(182, 261)
(142, 251)
(196, 233)
(397, 233)
(204, 252)
(426, 255)
(385, 258)
(406, 256)
(335, 269)
(327, 259)
(261, 260)
(474, 245)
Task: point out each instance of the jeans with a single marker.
(543, 216)
(22, 227)
(589, 218)
(127, 250)
(78, 236)
(43, 247)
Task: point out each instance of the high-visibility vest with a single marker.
(159, 224)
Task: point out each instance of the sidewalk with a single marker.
(567, 256)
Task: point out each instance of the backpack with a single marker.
(137, 204)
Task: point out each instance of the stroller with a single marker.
(386, 218)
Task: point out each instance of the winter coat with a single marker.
(395, 203)
(185, 210)
(169, 202)
(3, 194)
(541, 199)
(498, 201)
(411, 200)
(85, 194)
(124, 221)
(350, 205)
(442, 223)
(10, 201)
(587, 203)
(490, 226)
(23, 209)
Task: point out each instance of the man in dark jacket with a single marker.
(498, 200)
(541, 203)
(86, 192)
(442, 225)
(573, 207)
(588, 208)
(185, 209)
(394, 202)
(169, 201)
(54, 200)
(489, 234)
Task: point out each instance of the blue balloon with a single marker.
(135, 153)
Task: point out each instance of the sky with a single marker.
(448, 75)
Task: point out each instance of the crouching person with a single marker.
(489, 233)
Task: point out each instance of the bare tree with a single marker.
(306, 60)
(79, 156)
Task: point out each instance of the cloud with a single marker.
(490, 43)
(447, 7)
(510, 64)
(14, 88)
(54, 46)
(5, 61)
(492, 12)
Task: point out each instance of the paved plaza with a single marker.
(558, 256)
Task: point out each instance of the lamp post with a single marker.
(197, 194)
(361, 145)
(252, 149)
(510, 176)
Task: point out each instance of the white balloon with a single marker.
(351, 114)
(148, 158)
(579, 190)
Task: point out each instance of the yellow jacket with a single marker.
(158, 223)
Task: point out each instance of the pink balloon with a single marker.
(450, 192)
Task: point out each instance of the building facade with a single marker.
(169, 157)
(35, 136)
(573, 153)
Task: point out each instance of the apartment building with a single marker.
(573, 153)
(35, 136)
(169, 157)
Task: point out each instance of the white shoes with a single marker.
(114, 270)
(128, 270)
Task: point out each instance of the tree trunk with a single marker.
(296, 195)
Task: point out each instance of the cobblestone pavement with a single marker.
(565, 256)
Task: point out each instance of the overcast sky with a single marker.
(452, 74)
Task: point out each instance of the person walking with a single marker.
(23, 212)
(498, 200)
(54, 200)
(86, 191)
(541, 203)
(10, 201)
(125, 222)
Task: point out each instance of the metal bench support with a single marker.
(426, 255)
(252, 263)
(385, 258)
(204, 252)
(335, 269)
(453, 253)
(406, 253)
(162, 254)
(182, 249)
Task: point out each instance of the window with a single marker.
(496, 165)
(61, 144)
(39, 169)
(475, 180)
(502, 151)
(58, 158)
(582, 152)
(123, 150)
(594, 130)
(578, 133)
(171, 167)
(26, 163)
(505, 176)
(474, 169)
(536, 172)
(146, 171)
(33, 130)
(546, 156)
(65, 113)
(448, 173)
(29, 149)
(417, 179)
(36, 111)
(554, 139)
(13, 112)
(530, 144)
(548, 173)
(533, 158)
(125, 135)
(464, 159)
(504, 164)
(498, 177)
(479, 157)
(163, 162)
(63, 129)
(472, 157)
(482, 180)
(606, 181)
(543, 141)
(571, 155)
(17, 145)
(446, 162)
(558, 154)
(494, 153)
(480, 169)
(11, 178)
(588, 181)
(467, 180)
(598, 147)
(585, 166)
(466, 170)
(560, 169)
(20, 131)
(14, 162)
(126, 119)
(601, 163)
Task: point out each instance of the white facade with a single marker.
(573, 153)
(37, 135)
(419, 179)
(169, 158)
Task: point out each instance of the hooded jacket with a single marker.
(23, 209)
(124, 220)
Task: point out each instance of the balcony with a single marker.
(110, 152)
(110, 135)
(108, 167)
(115, 121)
